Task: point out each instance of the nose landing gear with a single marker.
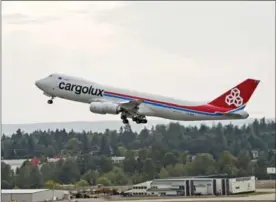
(50, 101)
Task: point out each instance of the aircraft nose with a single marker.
(39, 83)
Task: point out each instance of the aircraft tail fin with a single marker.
(238, 96)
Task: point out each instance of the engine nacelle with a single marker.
(104, 108)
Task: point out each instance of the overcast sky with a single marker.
(187, 50)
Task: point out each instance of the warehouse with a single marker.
(271, 171)
(140, 189)
(242, 185)
(31, 195)
(186, 186)
(190, 186)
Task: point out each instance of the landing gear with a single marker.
(139, 120)
(144, 121)
(124, 119)
(50, 101)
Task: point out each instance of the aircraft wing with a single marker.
(131, 105)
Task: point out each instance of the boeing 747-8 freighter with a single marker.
(137, 106)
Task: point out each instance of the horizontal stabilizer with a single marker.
(236, 115)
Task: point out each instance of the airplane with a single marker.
(138, 106)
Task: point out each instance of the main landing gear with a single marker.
(124, 119)
(138, 120)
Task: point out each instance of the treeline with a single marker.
(162, 151)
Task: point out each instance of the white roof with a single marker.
(21, 191)
(14, 162)
(143, 184)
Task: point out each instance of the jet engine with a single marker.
(105, 108)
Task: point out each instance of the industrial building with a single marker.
(190, 186)
(271, 171)
(32, 195)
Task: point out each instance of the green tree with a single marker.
(105, 146)
(7, 176)
(50, 151)
(36, 180)
(116, 176)
(73, 145)
(48, 171)
(170, 159)
(82, 183)
(163, 173)
(204, 164)
(129, 164)
(226, 163)
(184, 157)
(51, 184)
(29, 177)
(69, 172)
(90, 176)
(243, 162)
(104, 181)
(149, 169)
(178, 170)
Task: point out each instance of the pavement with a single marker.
(262, 197)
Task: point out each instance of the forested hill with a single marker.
(100, 126)
(158, 152)
(260, 135)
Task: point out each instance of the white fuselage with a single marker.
(81, 90)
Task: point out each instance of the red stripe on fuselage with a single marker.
(202, 108)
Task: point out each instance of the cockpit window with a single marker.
(50, 75)
(59, 78)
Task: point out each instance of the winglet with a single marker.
(238, 96)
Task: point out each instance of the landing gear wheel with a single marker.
(138, 121)
(50, 101)
(144, 121)
(123, 117)
(125, 121)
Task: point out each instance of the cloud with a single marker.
(14, 16)
(197, 28)
(18, 18)
(42, 12)
(94, 8)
